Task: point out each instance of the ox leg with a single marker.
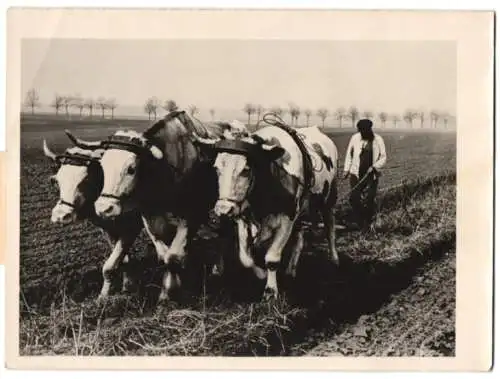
(131, 236)
(244, 253)
(295, 254)
(174, 260)
(128, 283)
(162, 251)
(218, 266)
(273, 255)
(111, 265)
(329, 219)
(328, 214)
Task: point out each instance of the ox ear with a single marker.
(272, 152)
(156, 152)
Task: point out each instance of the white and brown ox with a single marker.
(261, 187)
(162, 174)
(79, 178)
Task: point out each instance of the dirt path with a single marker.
(419, 321)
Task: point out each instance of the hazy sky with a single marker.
(226, 74)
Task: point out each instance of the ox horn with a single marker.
(81, 143)
(48, 152)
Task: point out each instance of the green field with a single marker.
(415, 234)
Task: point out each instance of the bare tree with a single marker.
(353, 114)
(294, 111)
(249, 109)
(57, 103)
(308, 114)
(421, 116)
(445, 116)
(155, 105)
(193, 109)
(150, 107)
(383, 116)
(395, 119)
(147, 108)
(32, 100)
(170, 106)
(212, 113)
(368, 114)
(322, 114)
(67, 103)
(89, 104)
(340, 115)
(111, 104)
(259, 110)
(409, 116)
(434, 115)
(297, 113)
(102, 104)
(79, 104)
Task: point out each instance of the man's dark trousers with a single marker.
(362, 198)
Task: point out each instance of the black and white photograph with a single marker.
(216, 197)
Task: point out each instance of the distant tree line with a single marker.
(345, 117)
(349, 116)
(63, 103)
(295, 115)
(153, 105)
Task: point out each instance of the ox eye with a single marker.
(131, 170)
(53, 180)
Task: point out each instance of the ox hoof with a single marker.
(102, 298)
(270, 294)
(128, 286)
(163, 297)
(170, 295)
(335, 260)
(217, 270)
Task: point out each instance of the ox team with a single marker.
(264, 182)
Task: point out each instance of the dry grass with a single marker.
(416, 222)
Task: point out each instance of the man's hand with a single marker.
(374, 171)
(346, 175)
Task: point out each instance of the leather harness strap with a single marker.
(306, 158)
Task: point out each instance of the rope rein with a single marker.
(346, 196)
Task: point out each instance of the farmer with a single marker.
(365, 157)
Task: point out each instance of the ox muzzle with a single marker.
(227, 208)
(63, 213)
(108, 207)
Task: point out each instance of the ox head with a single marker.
(78, 178)
(123, 159)
(236, 163)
